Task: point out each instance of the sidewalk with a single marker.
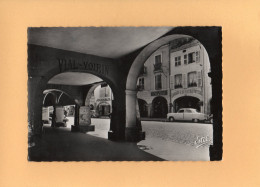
(154, 119)
(59, 144)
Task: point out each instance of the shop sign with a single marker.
(188, 91)
(103, 99)
(84, 115)
(72, 64)
(157, 93)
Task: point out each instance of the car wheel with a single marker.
(195, 120)
(171, 119)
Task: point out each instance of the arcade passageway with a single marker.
(65, 66)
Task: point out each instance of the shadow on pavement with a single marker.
(59, 144)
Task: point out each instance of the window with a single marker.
(178, 81)
(188, 111)
(181, 111)
(158, 63)
(143, 71)
(185, 59)
(158, 59)
(178, 61)
(158, 82)
(192, 79)
(140, 84)
(192, 57)
(104, 92)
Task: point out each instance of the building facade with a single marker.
(153, 85)
(174, 77)
(101, 100)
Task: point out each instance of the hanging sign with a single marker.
(84, 115)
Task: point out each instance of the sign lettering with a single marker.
(72, 64)
(186, 92)
(157, 93)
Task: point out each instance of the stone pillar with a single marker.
(75, 127)
(133, 131)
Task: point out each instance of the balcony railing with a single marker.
(178, 86)
(140, 87)
(193, 84)
(158, 67)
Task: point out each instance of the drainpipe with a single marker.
(170, 90)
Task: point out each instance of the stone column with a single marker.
(75, 127)
(133, 131)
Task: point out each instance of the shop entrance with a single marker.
(142, 108)
(160, 107)
(187, 102)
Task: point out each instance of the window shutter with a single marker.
(184, 83)
(199, 79)
(172, 82)
(197, 56)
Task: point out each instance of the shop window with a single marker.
(192, 79)
(178, 61)
(158, 82)
(178, 81)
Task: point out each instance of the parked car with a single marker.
(210, 118)
(187, 114)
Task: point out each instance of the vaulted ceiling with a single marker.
(110, 42)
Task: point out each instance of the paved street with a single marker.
(177, 140)
(169, 140)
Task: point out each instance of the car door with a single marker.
(188, 115)
(179, 115)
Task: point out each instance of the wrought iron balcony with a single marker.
(178, 86)
(193, 84)
(158, 67)
(140, 87)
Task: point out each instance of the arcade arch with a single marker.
(133, 75)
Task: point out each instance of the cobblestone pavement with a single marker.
(177, 140)
(168, 140)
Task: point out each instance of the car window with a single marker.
(188, 111)
(181, 111)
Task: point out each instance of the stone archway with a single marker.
(51, 62)
(132, 129)
(186, 102)
(210, 38)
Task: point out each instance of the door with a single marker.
(188, 115)
(179, 115)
